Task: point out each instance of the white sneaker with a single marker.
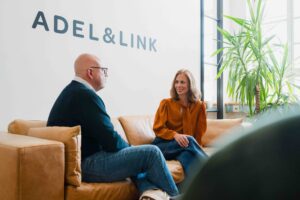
(154, 195)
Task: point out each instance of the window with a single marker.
(283, 19)
(211, 17)
(210, 63)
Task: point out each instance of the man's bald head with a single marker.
(84, 62)
(87, 67)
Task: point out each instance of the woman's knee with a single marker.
(192, 140)
(194, 146)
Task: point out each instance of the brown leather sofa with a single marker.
(35, 168)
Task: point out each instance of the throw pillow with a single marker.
(69, 136)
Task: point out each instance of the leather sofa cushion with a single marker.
(217, 127)
(69, 136)
(138, 129)
(118, 127)
(31, 168)
(21, 127)
(122, 190)
(176, 170)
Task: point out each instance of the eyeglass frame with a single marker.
(103, 69)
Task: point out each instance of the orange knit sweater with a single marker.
(172, 117)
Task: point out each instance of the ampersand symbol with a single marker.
(108, 37)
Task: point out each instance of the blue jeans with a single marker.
(189, 157)
(144, 164)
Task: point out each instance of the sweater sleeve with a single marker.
(201, 123)
(100, 126)
(161, 118)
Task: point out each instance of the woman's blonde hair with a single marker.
(193, 93)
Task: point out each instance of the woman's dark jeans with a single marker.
(190, 157)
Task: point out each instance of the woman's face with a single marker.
(181, 85)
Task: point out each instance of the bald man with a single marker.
(105, 156)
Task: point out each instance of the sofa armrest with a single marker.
(21, 127)
(31, 168)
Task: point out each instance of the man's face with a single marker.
(99, 75)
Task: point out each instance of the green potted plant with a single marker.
(254, 71)
(283, 89)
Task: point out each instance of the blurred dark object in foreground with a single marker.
(263, 163)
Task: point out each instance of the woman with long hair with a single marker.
(180, 123)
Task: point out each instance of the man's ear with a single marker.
(89, 73)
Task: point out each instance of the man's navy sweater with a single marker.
(79, 105)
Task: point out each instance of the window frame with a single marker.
(219, 44)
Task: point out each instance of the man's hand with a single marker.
(182, 140)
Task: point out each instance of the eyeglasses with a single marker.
(103, 69)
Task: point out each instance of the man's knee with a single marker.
(152, 150)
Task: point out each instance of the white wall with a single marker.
(36, 64)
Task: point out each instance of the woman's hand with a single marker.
(182, 140)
